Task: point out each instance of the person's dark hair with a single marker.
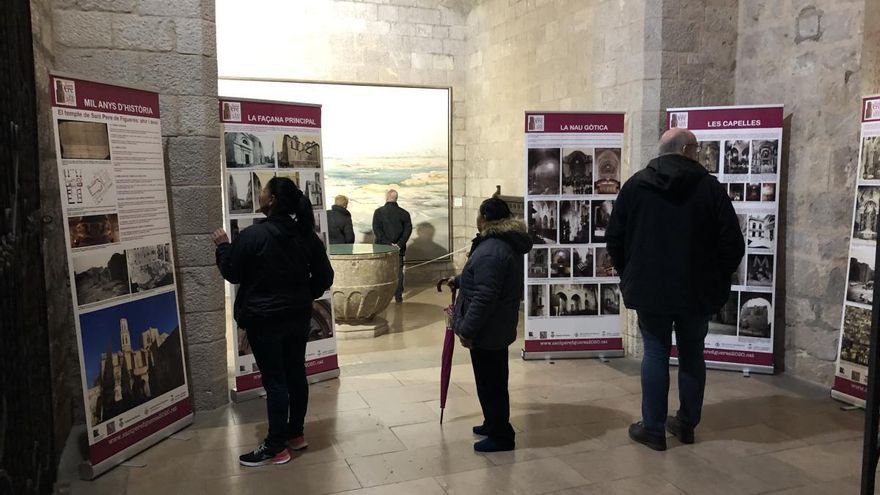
(290, 200)
(494, 209)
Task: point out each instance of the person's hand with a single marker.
(219, 236)
(466, 342)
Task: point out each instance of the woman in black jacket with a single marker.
(281, 267)
(487, 312)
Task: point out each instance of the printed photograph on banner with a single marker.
(860, 282)
(536, 123)
(736, 157)
(322, 321)
(313, 188)
(574, 222)
(240, 189)
(560, 263)
(65, 92)
(582, 262)
(870, 161)
(539, 263)
(537, 301)
(543, 171)
(739, 276)
(604, 264)
(760, 233)
(607, 171)
(753, 192)
(292, 175)
(299, 150)
(231, 111)
(759, 271)
(865, 222)
(89, 186)
(678, 120)
(756, 314)
(543, 221)
(244, 150)
(236, 225)
(768, 192)
(765, 157)
(93, 230)
(100, 274)
(610, 297)
(150, 267)
(724, 321)
(872, 109)
(83, 140)
(132, 354)
(710, 155)
(737, 192)
(259, 180)
(577, 171)
(856, 339)
(574, 300)
(601, 216)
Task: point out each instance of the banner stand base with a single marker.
(246, 395)
(89, 471)
(849, 399)
(532, 356)
(751, 368)
(324, 376)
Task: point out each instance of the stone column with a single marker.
(168, 46)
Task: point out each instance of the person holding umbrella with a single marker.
(486, 314)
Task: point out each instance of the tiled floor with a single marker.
(376, 431)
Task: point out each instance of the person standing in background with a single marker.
(339, 222)
(392, 226)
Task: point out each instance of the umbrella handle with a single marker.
(445, 281)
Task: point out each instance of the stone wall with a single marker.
(807, 56)
(167, 46)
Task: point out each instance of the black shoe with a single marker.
(264, 455)
(494, 445)
(638, 433)
(481, 430)
(398, 299)
(680, 430)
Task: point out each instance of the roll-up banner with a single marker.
(742, 147)
(572, 293)
(261, 140)
(111, 172)
(851, 373)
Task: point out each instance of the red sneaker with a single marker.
(263, 455)
(297, 443)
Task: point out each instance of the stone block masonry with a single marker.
(169, 46)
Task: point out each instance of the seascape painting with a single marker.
(375, 138)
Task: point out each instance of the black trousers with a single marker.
(491, 373)
(280, 354)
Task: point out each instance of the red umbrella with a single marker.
(448, 350)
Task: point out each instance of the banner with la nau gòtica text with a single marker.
(572, 292)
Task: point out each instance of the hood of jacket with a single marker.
(339, 209)
(510, 230)
(674, 176)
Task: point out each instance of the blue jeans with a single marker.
(690, 334)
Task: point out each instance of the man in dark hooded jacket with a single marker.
(486, 315)
(675, 240)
